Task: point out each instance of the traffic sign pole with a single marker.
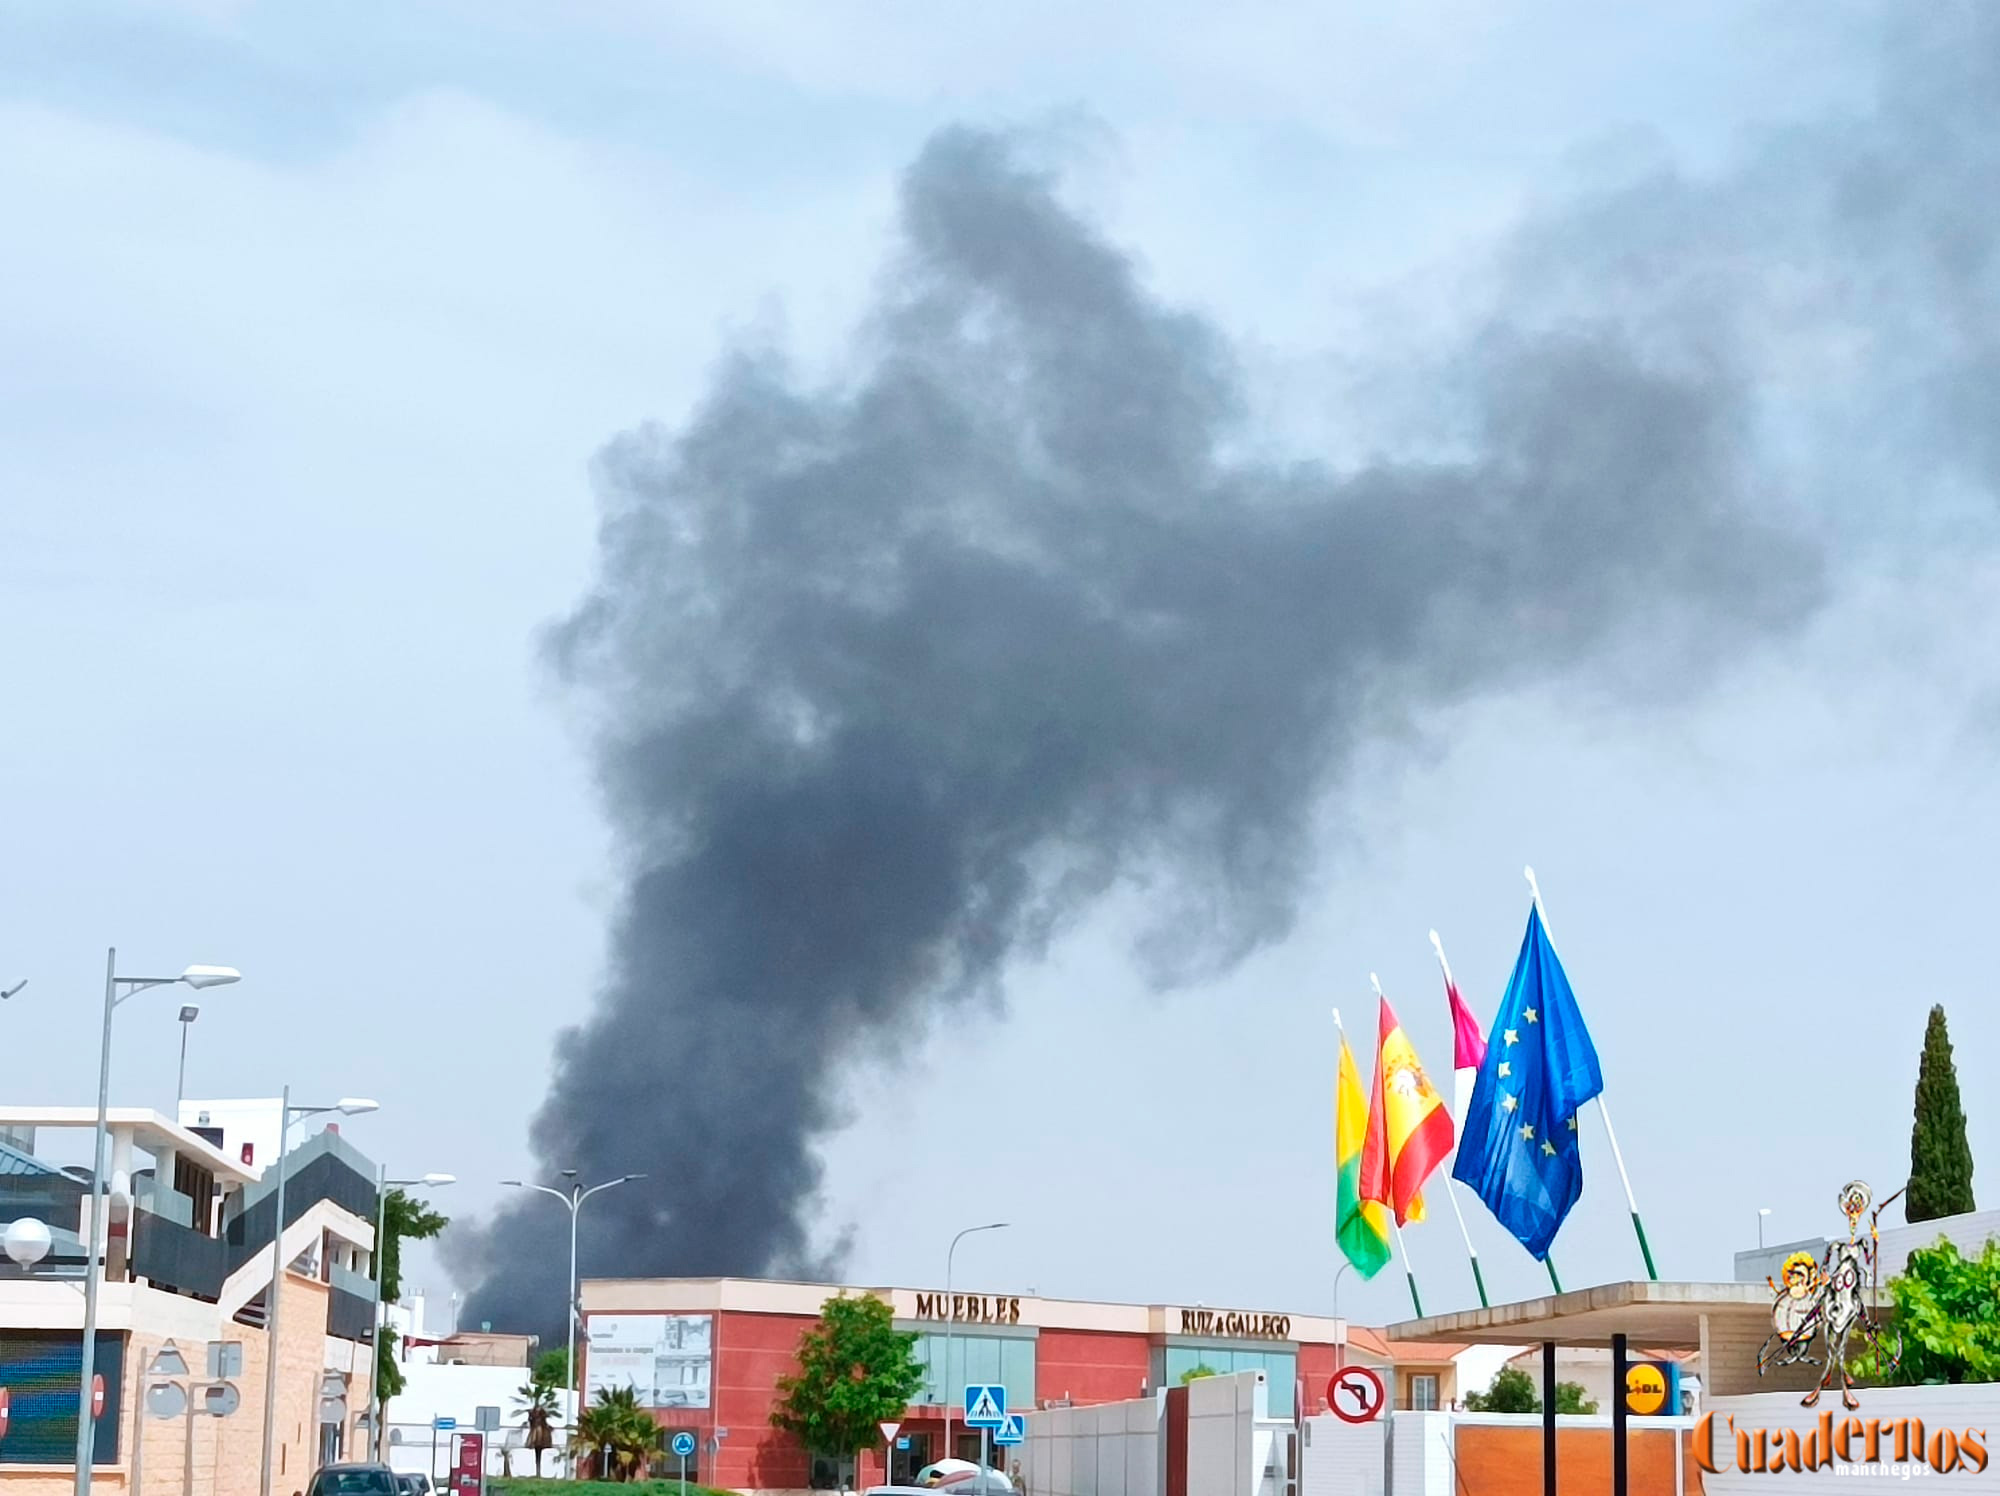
(683, 1446)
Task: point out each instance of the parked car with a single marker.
(354, 1480)
(963, 1478)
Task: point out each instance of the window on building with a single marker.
(1423, 1394)
(1280, 1370)
(1006, 1359)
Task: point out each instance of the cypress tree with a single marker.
(1940, 1156)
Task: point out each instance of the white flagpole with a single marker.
(1451, 1184)
(1409, 1270)
(1604, 1115)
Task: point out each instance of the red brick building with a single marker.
(706, 1353)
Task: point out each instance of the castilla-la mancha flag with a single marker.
(1409, 1126)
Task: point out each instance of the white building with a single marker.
(438, 1384)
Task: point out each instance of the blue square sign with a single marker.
(985, 1405)
(1013, 1431)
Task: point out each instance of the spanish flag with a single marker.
(1409, 1126)
(1362, 1225)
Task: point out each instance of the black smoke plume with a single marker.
(892, 679)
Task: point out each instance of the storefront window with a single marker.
(1280, 1370)
(1006, 1359)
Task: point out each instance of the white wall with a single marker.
(1969, 1233)
(1227, 1451)
(431, 1391)
(1112, 1449)
(1337, 1458)
(1974, 1406)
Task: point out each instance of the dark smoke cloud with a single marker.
(893, 679)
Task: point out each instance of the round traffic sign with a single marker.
(166, 1400)
(4, 1399)
(220, 1399)
(683, 1443)
(97, 1395)
(1355, 1394)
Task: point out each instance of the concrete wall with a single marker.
(1729, 1350)
(1835, 1430)
(1337, 1458)
(1112, 1449)
(1226, 1448)
(1970, 1232)
(431, 1391)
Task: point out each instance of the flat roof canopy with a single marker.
(150, 1130)
(1661, 1316)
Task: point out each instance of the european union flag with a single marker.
(1519, 1147)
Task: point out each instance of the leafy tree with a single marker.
(1948, 1314)
(539, 1413)
(552, 1367)
(1940, 1156)
(403, 1216)
(856, 1369)
(1196, 1373)
(1512, 1391)
(1570, 1399)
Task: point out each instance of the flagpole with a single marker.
(1450, 1184)
(1617, 1157)
(1409, 1268)
(1549, 1262)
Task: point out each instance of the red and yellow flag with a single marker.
(1409, 1126)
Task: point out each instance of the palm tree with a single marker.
(538, 1411)
(622, 1433)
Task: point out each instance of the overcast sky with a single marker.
(312, 320)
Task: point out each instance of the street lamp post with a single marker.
(350, 1106)
(189, 1012)
(383, 1184)
(1340, 1350)
(950, 1318)
(573, 1197)
(1762, 1211)
(116, 990)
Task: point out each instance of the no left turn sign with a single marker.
(1355, 1394)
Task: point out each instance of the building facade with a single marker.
(186, 1269)
(706, 1355)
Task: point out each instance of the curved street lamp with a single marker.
(116, 990)
(347, 1106)
(950, 1320)
(573, 1197)
(383, 1184)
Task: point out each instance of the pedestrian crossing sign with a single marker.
(1013, 1431)
(985, 1405)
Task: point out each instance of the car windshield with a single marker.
(354, 1483)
